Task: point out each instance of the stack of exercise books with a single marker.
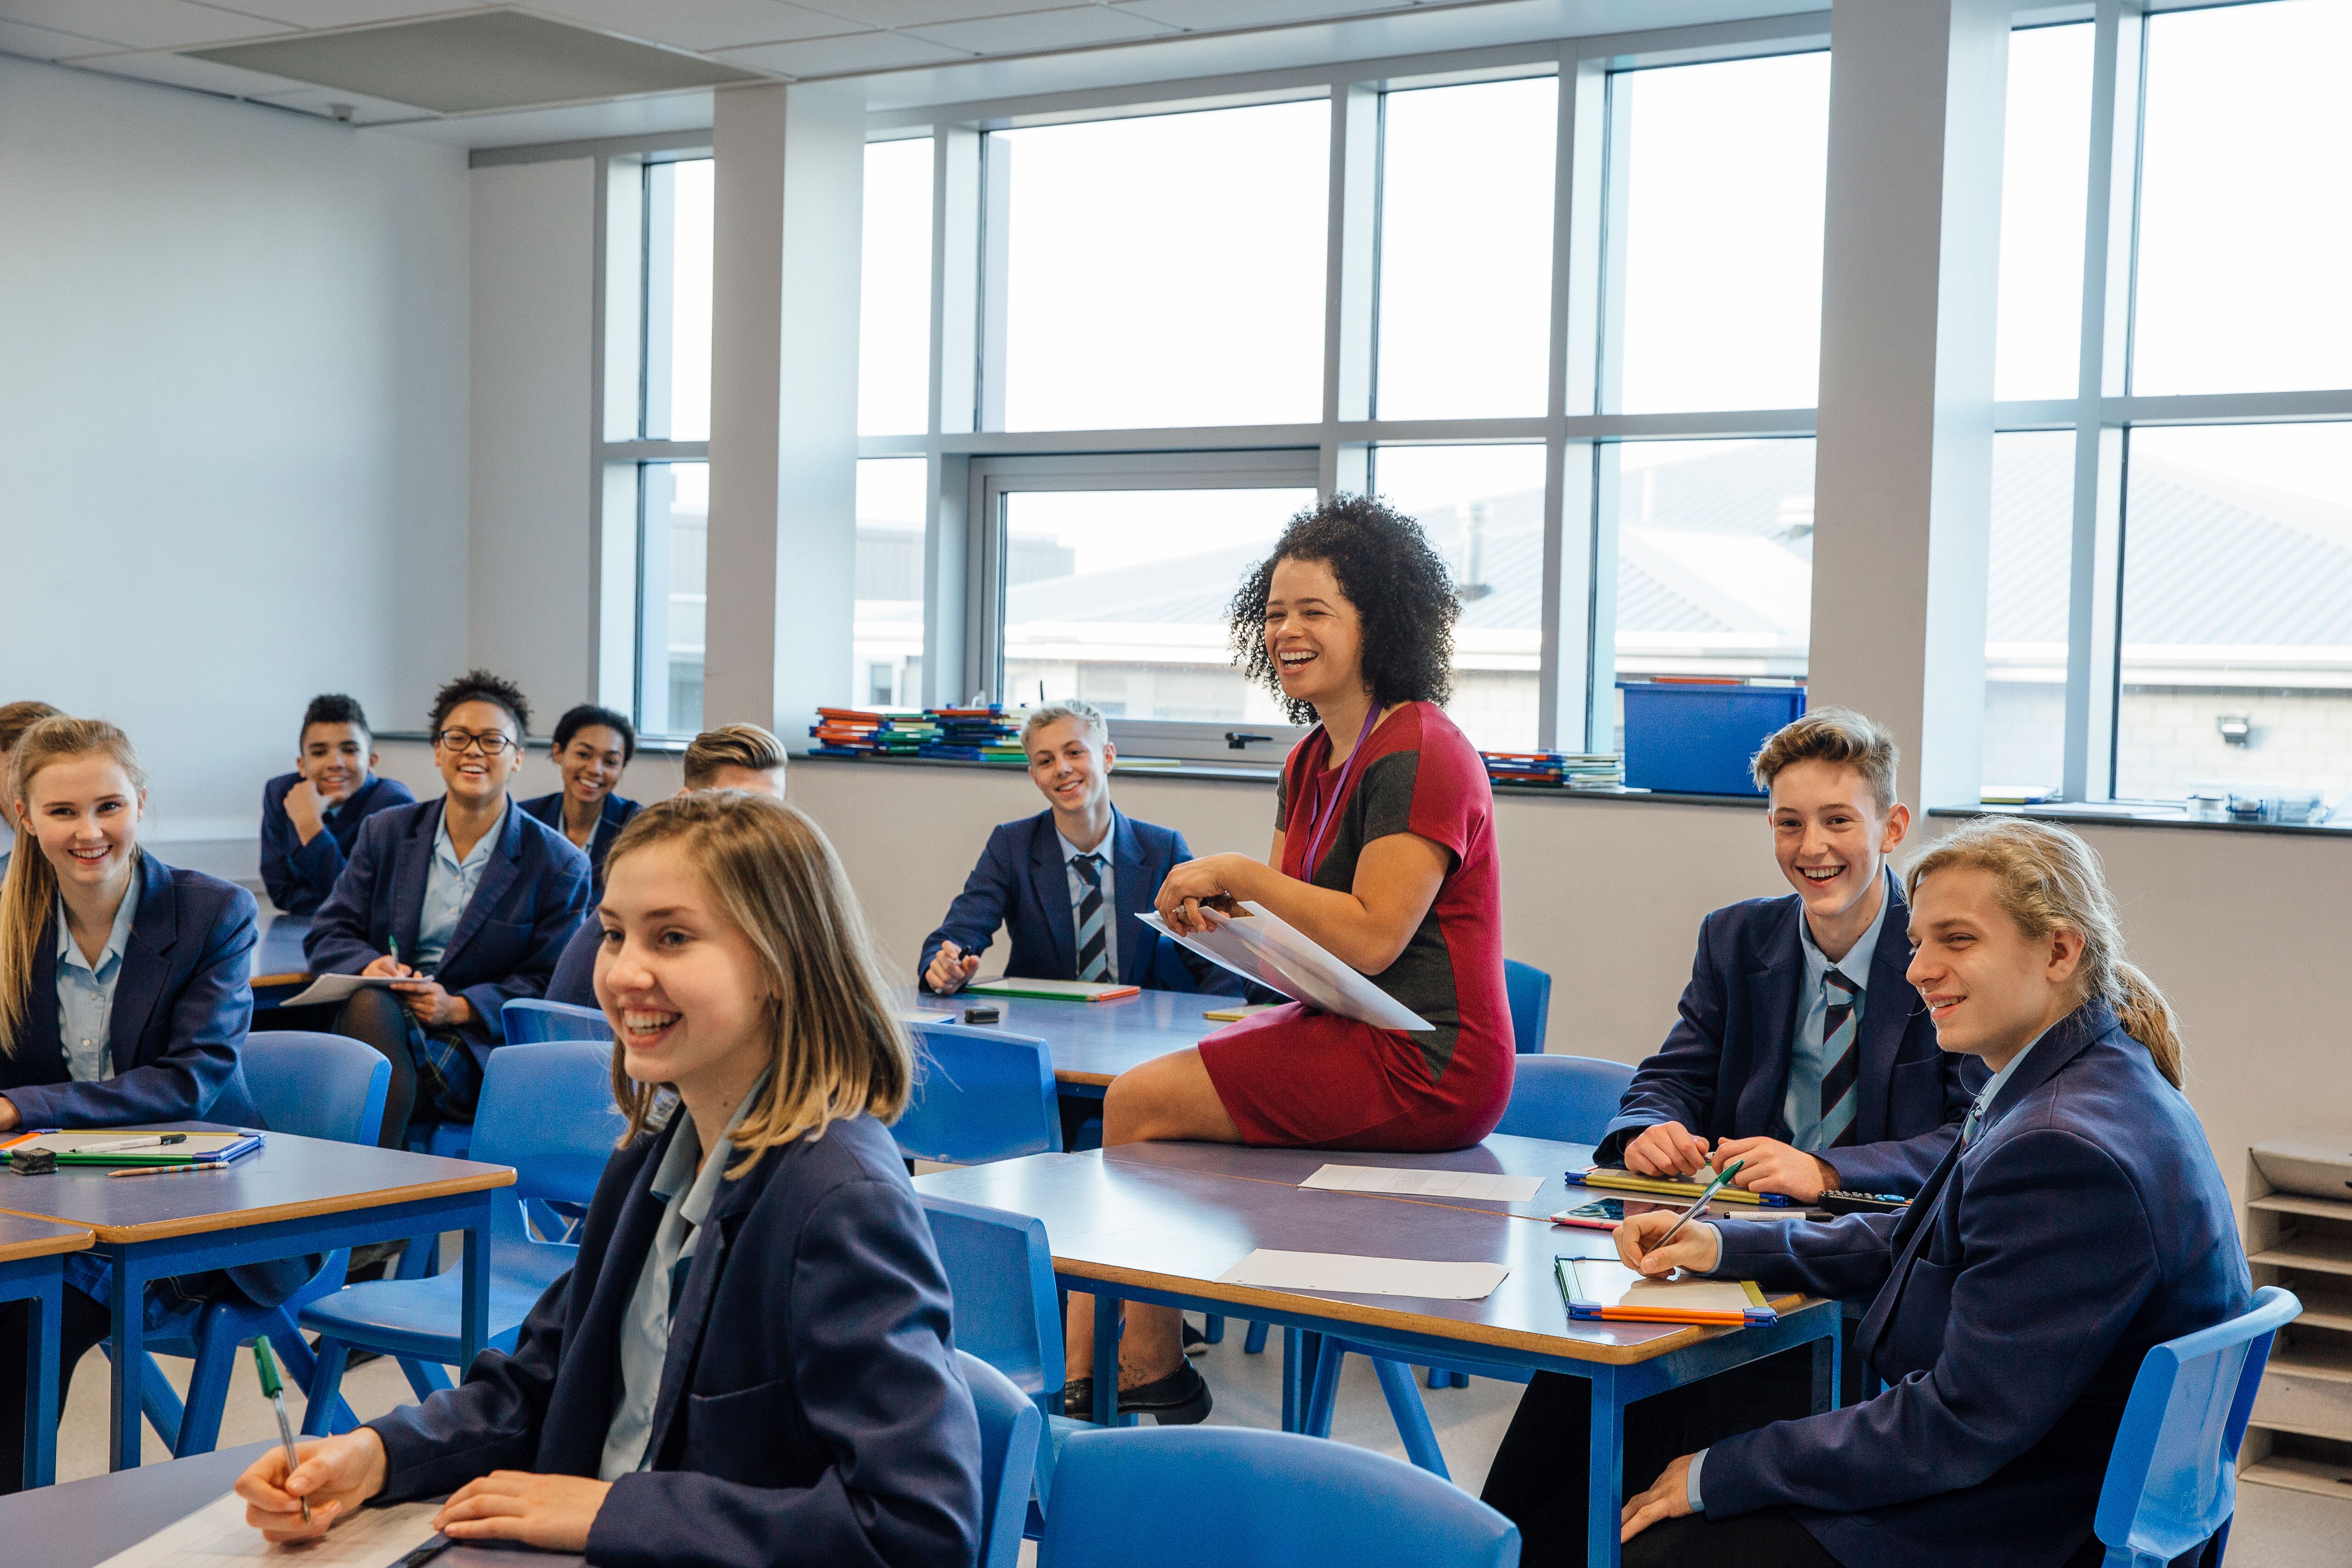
(871, 731)
(1556, 770)
(973, 735)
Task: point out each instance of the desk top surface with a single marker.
(290, 1178)
(277, 957)
(1092, 1042)
(1175, 1218)
(21, 1237)
(79, 1524)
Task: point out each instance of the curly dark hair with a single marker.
(588, 713)
(482, 686)
(1400, 586)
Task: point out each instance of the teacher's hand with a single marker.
(1195, 882)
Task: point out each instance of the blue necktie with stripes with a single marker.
(1841, 1063)
(1094, 942)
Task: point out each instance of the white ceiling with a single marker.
(924, 40)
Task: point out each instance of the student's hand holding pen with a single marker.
(950, 970)
(1668, 1149)
(1697, 1248)
(386, 965)
(335, 1475)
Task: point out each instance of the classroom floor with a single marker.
(2274, 1528)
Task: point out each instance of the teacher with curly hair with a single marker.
(1384, 854)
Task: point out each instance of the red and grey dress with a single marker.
(1296, 1076)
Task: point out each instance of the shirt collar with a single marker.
(446, 848)
(1856, 964)
(685, 1147)
(1993, 1084)
(117, 937)
(1071, 851)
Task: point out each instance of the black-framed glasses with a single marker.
(489, 745)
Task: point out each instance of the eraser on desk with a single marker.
(33, 1161)
(982, 1015)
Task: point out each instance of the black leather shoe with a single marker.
(1079, 1398)
(1195, 1341)
(1180, 1399)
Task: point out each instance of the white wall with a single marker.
(232, 419)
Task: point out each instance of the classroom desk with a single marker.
(280, 967)
(82, 1523)
(1092, 1042)
(1157, 1223)
(297, 1195)
(32, 1268)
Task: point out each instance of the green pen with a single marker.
(1713, 1187)
(267, 1365)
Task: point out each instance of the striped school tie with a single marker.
(1094, 941)
(1841, 1063)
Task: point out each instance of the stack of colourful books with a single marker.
(973, 735)
(871, 732)
(1556, 770)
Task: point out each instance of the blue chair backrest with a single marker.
(530, 1022)
(2172, 1476)
(979, 1095)
(317, 1086)
(1001, 1272)
(1176, 1497)
(1009, 1428)
(548, 1111)
(1529, 990)
(1568, 1098)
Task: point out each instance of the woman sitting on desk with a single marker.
(124, 998)
(1383, 854)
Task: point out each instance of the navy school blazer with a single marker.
(549, 809)
(2014, 1303)
(1724, 1069)
(811, 1410)
(1022, 881)
(574, 980)
(300, 876)
(531, 897)
(183, 1002)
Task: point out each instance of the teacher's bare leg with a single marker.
(1167, 1099)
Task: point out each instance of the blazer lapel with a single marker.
(1910, 1232)
(146, 963)
(1049, 878)
(693, 1312)
(505, 866)
(1774, 984)
(599, 1333)
(1132, 881)
(1885, 1014)
(410, 867)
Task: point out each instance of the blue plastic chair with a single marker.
(548, 1111)
(1008, 1457)
(1570, 1099)
(979, 1095)
(1175, 1496)
(1529, 990)
(530, 1022)
(313, 1086)
(2172, 1476)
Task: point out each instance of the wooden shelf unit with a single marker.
(2300, 1435)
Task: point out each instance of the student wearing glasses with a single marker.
(592, 747)
(466, 898)
(311, 817)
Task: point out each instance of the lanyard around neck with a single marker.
(1326, 811)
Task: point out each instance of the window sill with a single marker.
(2142, 815)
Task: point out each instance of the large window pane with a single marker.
(894, 296)
(1482, 508)
(886, 651)
(678, 214)
(2245, 212)
(1118, 597)
(2237, 610)
(2045, 173)
(2025, 611)
(1465, 249)
(1166, 270)
(674, 518)
(1723, 167)
(1714, 558)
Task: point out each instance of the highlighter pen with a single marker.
(267, 1365)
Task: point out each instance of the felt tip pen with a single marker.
(266, 1365)
(124, 1145)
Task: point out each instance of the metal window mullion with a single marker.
(1574, 637)
(1351, 286)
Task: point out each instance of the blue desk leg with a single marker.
(1107, 1319)
(474, 1327)
(126, 1343)
(1605, 1496)
(42, 1348)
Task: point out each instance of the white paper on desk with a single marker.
(216, 1535)
(333, 988)
(1490, 1186)
(1266, 949)
(1338, 1271)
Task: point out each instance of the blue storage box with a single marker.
(1698, 740)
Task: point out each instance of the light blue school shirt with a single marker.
(86, 990)
(687, 1196)
(449, 887)
(1801, 1108)
(1070, 853)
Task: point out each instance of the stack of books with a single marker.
(1556, 770)
(973, 735)
(871, 732)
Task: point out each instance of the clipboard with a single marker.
(199, 1148)
(1616, 1179)
(1605, 1290)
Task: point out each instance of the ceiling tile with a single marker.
(919, 12)
(1072, 26)
(41, 44)
(349, 13)
(205, 76)
(138, 24)
(844, 55)
(699, 23)
(1212, 15)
